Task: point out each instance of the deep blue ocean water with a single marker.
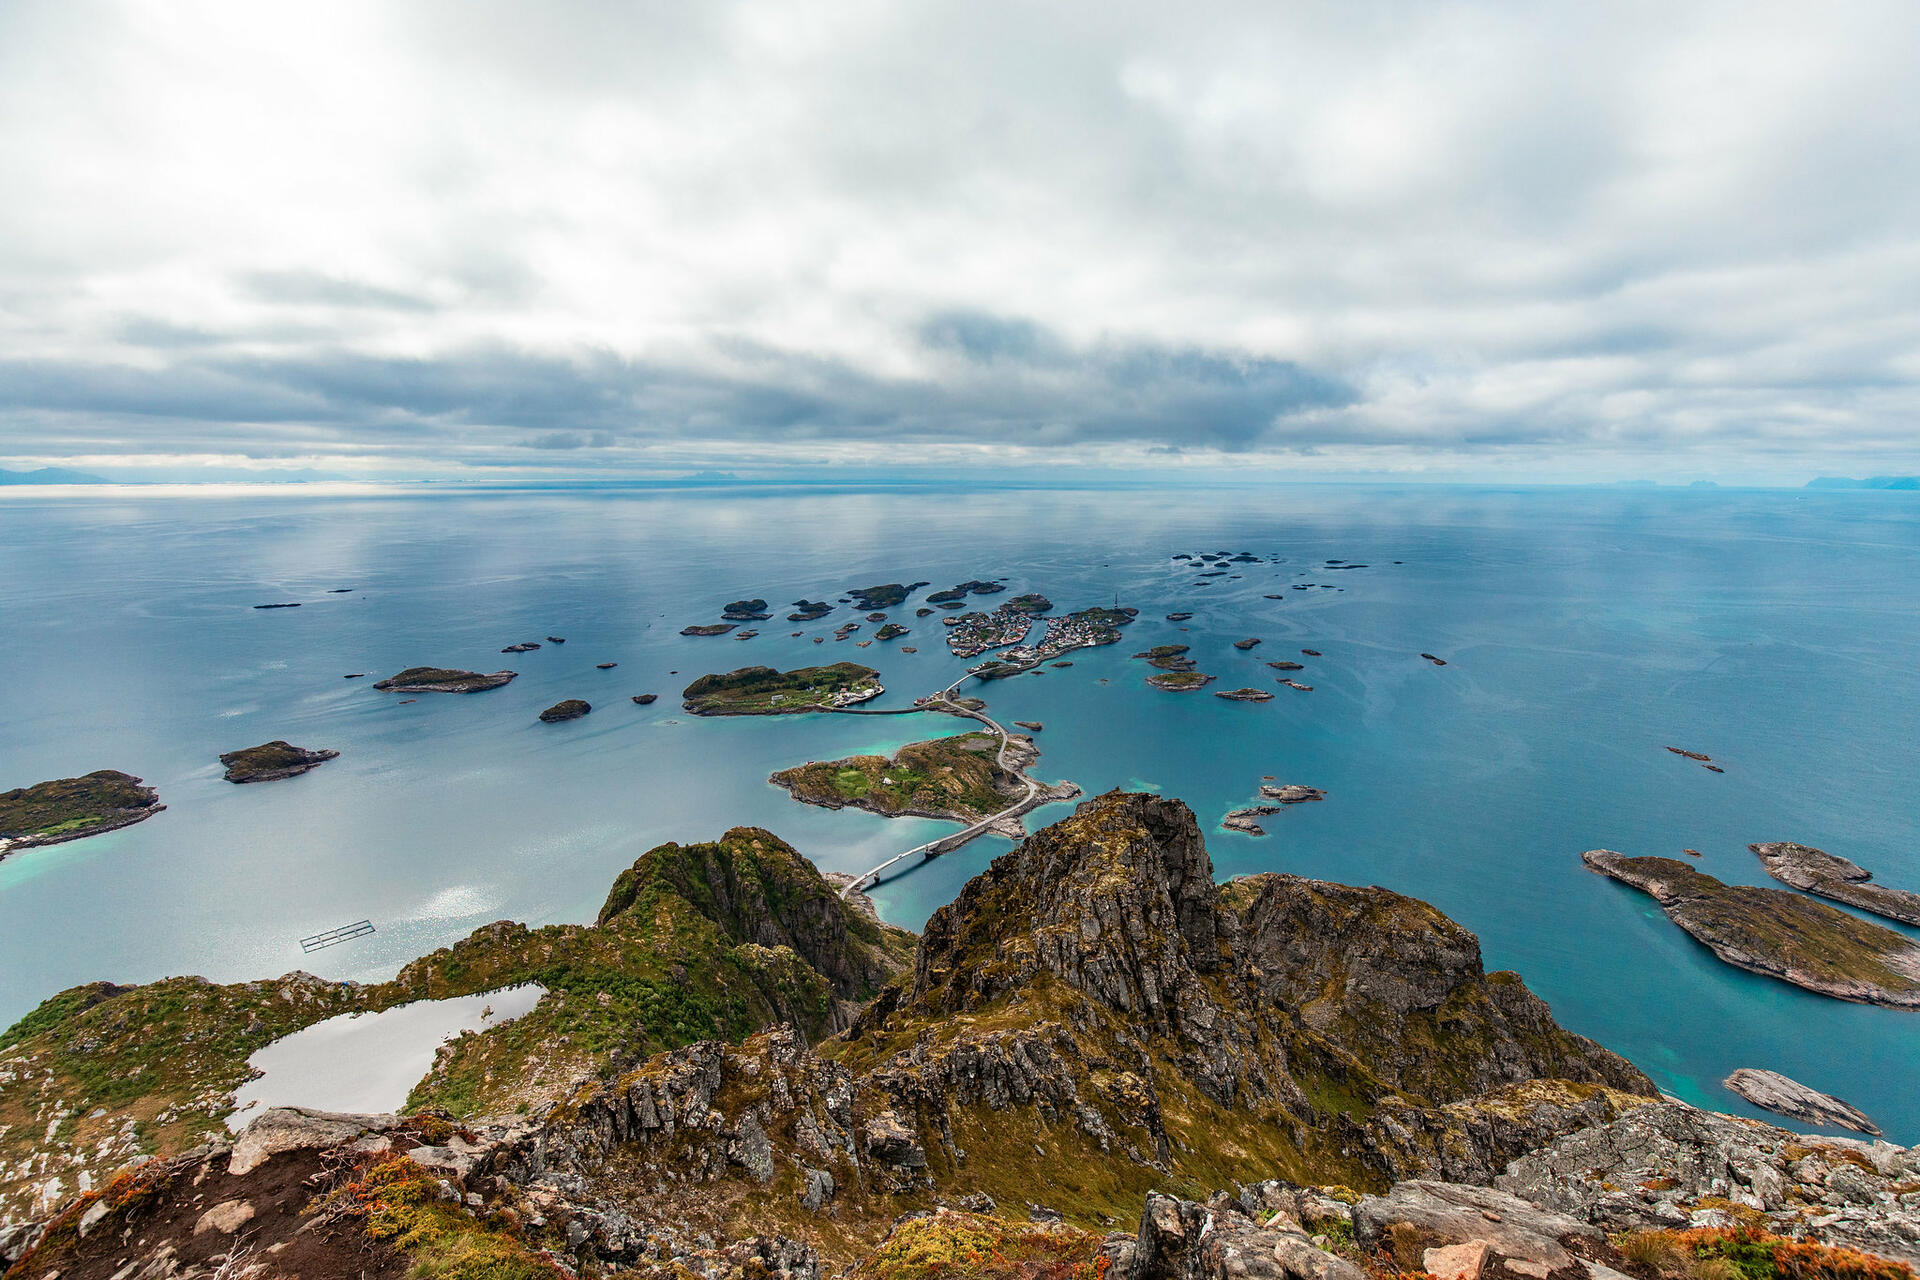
(1584, 630)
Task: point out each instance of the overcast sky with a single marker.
(1478, 239)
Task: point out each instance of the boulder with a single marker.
(281, 1129)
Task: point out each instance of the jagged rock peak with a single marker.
(759, 890)
(1118, 904)
(1116, 901)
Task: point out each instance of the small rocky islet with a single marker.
(1168, 657)
(272, 761)
(1179, 681)
(1244, 695)
(1274, 797)
(888, 595)
(1777, 933)
(1788, 1097)
(1831, 876)
(444, 680)
(568, 709)
(708, 629)
(63, 809)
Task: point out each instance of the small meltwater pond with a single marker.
(368, 1062)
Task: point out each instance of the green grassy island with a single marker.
(70, 808)
(1777, 933)
(958, 778)
(762, 691)
(443, 680)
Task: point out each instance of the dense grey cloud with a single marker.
(1458, 237)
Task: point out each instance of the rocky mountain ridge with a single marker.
(1271, 1077)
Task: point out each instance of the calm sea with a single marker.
(1583, 630)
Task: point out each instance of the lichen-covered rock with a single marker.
(1655, 1165)
(1182, 1240)
(1417, 1218)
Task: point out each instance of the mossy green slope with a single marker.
(705, 941)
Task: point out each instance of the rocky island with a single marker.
(1284, 665)
(953, 596)
(1832, 876)
(1291, 793)
(73, 808)
(1168, 657)
(570, 709)
(271, 761)
(888, 595)
(709, 629)
(1776, 933)
(1180, 681)
(443, 680)
(1788, 1097)
(890, 631)
(1244, 695)
(645, 699)
(763, 691)
(754, 610)
(1247, 821)
(958, 778)
(805, 610)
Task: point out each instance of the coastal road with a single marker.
(943, 702)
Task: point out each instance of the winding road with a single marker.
(943, 702)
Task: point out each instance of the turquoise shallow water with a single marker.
(1583, 630)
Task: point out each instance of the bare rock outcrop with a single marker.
(1831, 876)
(1652, 1168)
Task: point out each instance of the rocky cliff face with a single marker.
(758, 890)
(1091, 1018)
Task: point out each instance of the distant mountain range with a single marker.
(50, 475)
(1871, 482)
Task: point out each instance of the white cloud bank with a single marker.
(1460, 238)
